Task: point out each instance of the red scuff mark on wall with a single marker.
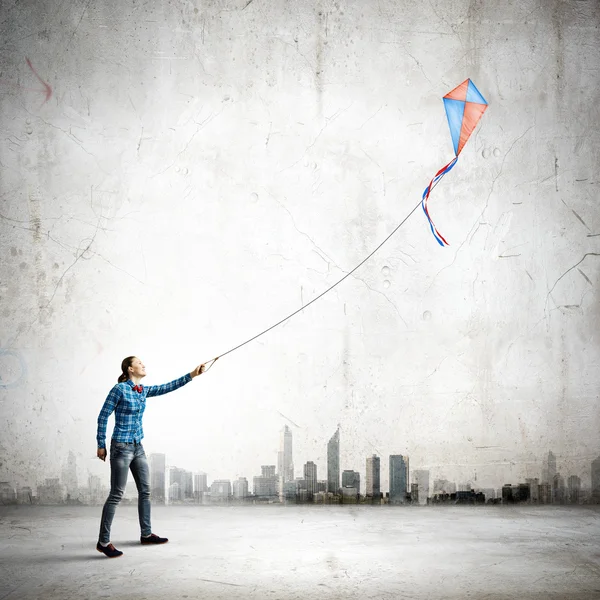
(47, 88)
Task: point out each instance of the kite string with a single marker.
(212, 361)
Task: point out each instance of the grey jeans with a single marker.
(122, 458)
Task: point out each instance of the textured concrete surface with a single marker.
(289, 552)
(176, 176)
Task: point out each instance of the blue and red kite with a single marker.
(464, 107)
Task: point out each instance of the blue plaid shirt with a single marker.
(129, 406)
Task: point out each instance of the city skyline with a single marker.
(170, 482)
(179, 485)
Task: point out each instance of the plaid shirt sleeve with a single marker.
(165, 388)
(107, 409)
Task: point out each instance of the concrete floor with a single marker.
(286, 552)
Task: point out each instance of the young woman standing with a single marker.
(127, 400)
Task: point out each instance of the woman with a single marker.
(128, 400)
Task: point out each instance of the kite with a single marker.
(464, 107)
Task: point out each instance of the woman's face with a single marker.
(137, 368)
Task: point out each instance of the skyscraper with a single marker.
(549, 470)
(551, 466)
(333, 463)
(157, 478)
(69, 475)
(558, 489)
(285, 463)
(421, 478)
(200, 485)
(188, 485)
(373, 477)
(398, 478)
(574, 485)
(310, 477)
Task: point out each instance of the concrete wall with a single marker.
(177, 176)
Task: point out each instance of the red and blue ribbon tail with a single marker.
(436, 234)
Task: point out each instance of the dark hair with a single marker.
(124, 376)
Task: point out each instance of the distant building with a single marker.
(157, 478)
(596, 481)
(266, 486)
(558, 489)
(545, 493)
(469, 497)
(300, 484)
(349, 495)
(507, 494)
(69, 476)
(443, 486)
(421, 478)
(351, 479)
(512, 494)
(549, 470)
(200, 486)
(310, 475)
(220, 490)
(97, 491)
(333, 463)
(268, 471)
(285, 463)
(8, 495)
(24, 495)
(574, 489)
(51, 492)
(414, 493)
(184, 490)
(489, 493)
(443, 498)
(523, 493)
(174, 495)
(240, 488)
(399, 476)
(289, 490)
(373, 477)
(534, 492)
(188, 490)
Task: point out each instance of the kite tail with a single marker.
(436, 234)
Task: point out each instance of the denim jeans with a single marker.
(122, 458)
